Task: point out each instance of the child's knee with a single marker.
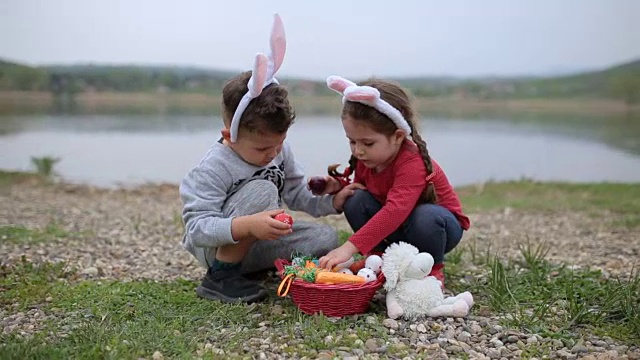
(260, 195)
(428, 215)
(257, 186)
(436, 221)
(355, 201)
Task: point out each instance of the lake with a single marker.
(125, 149)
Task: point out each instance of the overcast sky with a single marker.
(348, 38)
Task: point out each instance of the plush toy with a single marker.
(411, 292)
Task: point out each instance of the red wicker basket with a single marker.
(332, 300)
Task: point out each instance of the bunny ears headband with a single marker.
(264, 68)
(367, 95)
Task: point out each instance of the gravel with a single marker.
(135, 233)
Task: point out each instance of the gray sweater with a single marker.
(220, 174)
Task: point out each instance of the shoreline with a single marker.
(21, 101)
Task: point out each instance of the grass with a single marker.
(22, 235)
(45, 165)
(12, 177)
(554, 300)
(127, 320)
(135, 319)
(130, 320)
(601, 199)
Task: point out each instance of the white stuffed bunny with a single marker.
(411, 292)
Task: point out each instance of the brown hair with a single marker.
(270, 112)
(397, 97)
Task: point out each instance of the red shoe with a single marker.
(438, 272)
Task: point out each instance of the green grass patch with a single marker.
(129, 320)
(598, 199)
(45, 165)
(343, 236)
(558, 301)
(26, 284)
(11, 177)
(22, 235)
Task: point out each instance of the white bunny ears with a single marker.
(264, 68)
(367, 95)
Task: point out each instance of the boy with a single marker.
(231, 197)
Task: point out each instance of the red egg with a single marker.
(285, 218)
(357, 266)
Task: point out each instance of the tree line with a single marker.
(620, 82)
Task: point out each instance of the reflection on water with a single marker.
(108, 123)
(620, 131)
(110, 149)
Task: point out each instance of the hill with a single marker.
(14, 76)
(621, 81)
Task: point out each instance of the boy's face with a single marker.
(256, 148)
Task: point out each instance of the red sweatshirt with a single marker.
(398, 188)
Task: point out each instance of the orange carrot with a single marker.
(310, 264)
(329, 277)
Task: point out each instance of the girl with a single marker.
(399, 192)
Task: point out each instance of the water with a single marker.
(112, 150)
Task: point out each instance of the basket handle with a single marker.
(282, 291)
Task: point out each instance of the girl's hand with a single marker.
(342, 196)
(333, 185)
(338, 256)
(264, 227)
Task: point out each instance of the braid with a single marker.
(429, 194)
(352, 163)
(343, 177)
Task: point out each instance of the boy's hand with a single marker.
(342, 195)
(338, 256)
(262, 226)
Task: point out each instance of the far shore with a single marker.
(28, 101)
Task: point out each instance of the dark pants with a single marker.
(431, 228)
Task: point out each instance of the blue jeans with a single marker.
(430, 227)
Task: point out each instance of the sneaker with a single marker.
(230, 286)
(438, 272)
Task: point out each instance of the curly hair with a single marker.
(270, 112)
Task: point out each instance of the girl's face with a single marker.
(375, 150)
